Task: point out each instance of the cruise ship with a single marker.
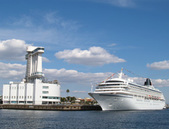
(123, 94)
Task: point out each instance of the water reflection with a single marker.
(31, 119)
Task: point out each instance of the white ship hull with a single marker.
(126, 102)
(124, 94)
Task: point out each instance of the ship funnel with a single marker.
(147, 82)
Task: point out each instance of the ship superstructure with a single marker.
(124, 94)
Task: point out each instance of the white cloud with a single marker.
(13, 49)
(12, 71)
(161, 82)
(79, 91)
(113, 44)
(155, 82)
(44, 59)
(23, 21)
(159, 65)
(94, 56)
(73, 76)
(16, 72)
(120, 3)
(52, 29)
(53, 18)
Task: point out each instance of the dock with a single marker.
(52, 107)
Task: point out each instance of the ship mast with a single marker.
(121, 73)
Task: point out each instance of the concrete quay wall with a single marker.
(52, 107)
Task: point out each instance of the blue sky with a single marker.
(86, 40)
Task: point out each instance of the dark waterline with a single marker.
(31, 119)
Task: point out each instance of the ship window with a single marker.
(108, 84)
(115, 81)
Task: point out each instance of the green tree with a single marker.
(71, 99)
(63, 99)
(67, 91)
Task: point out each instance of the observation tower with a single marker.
(34, 63)
(33, 90)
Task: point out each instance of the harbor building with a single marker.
(33, 89)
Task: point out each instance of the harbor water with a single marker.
(33, 119)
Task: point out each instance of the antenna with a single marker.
(91, 87)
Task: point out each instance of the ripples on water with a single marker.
(31, 119)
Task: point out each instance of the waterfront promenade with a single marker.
(52, 107)
(65, 107)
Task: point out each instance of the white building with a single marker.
(33, 89)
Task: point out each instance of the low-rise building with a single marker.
(33, 89)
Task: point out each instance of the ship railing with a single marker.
(117, 83)
(120, 86)
(111, 89)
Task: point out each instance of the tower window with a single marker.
(45, 87)
(45, 92)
